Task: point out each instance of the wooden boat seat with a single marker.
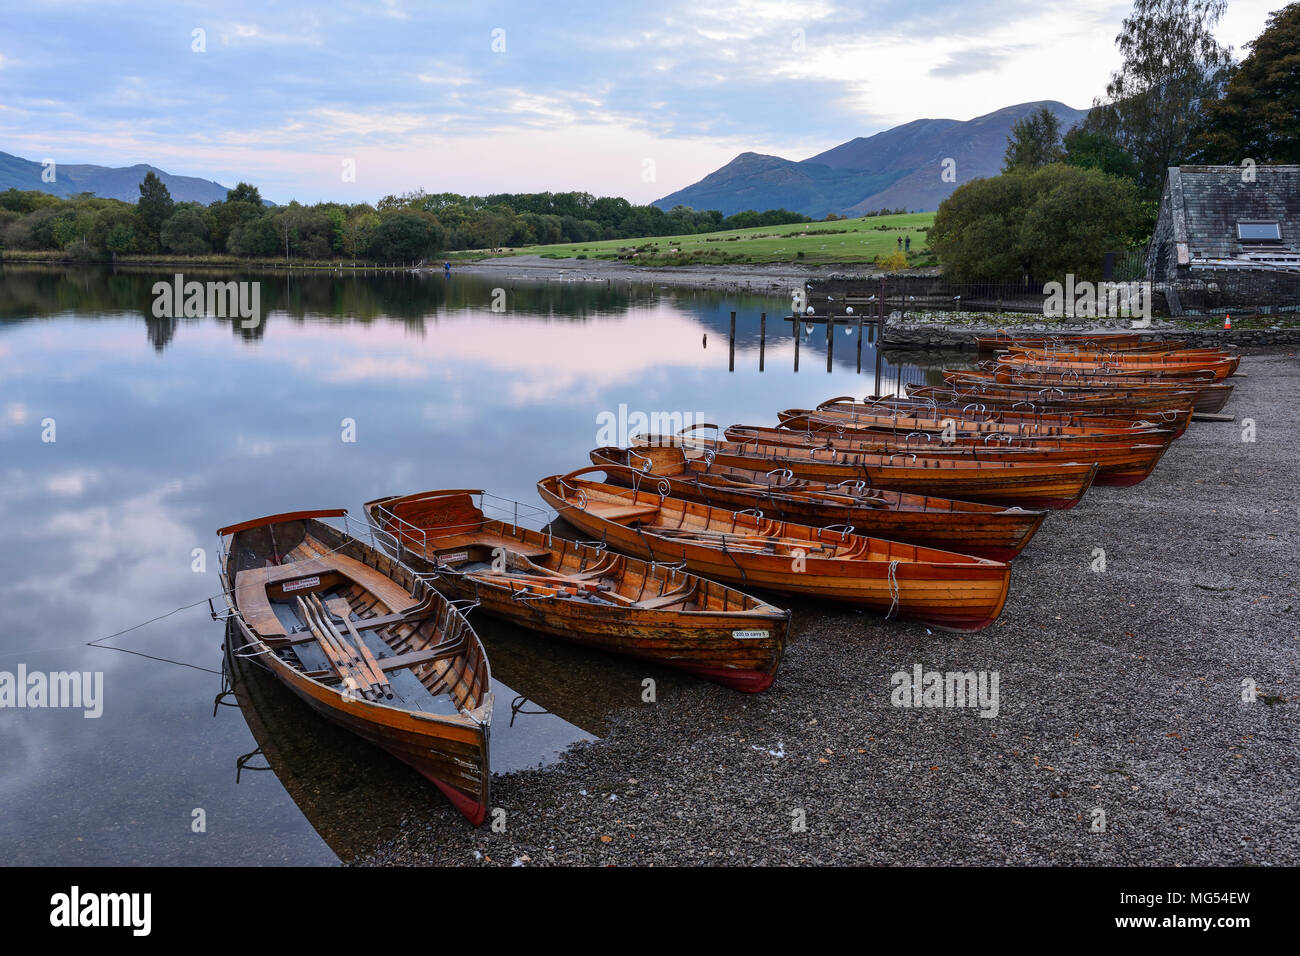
(676, 596)
(255, 604)
(486, 539)
(621, 514)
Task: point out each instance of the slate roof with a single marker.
(1205, 203)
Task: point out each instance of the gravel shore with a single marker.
(1119, 690)
(776, 277)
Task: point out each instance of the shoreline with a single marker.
(1120, 690)
(773, 278)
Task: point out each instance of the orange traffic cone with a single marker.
(1227, 320)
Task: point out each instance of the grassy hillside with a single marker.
(812, 243)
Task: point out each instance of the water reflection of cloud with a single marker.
(561, 361)
(89, 572)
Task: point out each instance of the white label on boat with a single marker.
(454, 556)
(301, 583)
(750, 635)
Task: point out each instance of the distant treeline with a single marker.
(407, 228)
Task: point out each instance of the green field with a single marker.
(809, 243)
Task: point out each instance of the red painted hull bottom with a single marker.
(474, 811)
(750, 682)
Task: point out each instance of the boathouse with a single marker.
(1228, 237)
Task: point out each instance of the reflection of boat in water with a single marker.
(579, 685)
(402, 668)
(352, 794)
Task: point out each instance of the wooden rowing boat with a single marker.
(1026, 484)
(1118, 463)
(366, 644)
(1220, 368)
(1167, 351)
(1007, 375)
(967, 527)
(1160, 360)
(944, 589)
(584, 594)
(988, 344)
(967, 378)
(1143, 399)
(1023, 419)
(904, 419)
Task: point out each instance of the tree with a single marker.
(119, 238)
(255, 238)
(1034, 142)
(405, 237)
(244, 193)
(1089, 149)
(185, 233)
(154, 207)
(1172, 64)
(1258, 116)
(1044, 223)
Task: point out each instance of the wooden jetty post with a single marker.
(731, 345)
(762, 338)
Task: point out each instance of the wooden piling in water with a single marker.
(762, 339)
(731, 345)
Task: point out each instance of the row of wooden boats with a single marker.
(912, 506)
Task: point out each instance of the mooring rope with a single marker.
(893, 589)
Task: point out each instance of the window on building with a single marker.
(1259, 232)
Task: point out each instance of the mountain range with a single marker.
(109, 182)
(899, 168)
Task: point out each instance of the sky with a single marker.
(352, 101)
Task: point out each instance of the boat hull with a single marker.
(949, 591)
(1054, 487)
(739, 648)
(987, 531)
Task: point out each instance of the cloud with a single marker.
(681, 82)
(974, 60)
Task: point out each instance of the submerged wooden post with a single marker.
(859, 345)
(830, 340)
(762, 338)
(731, 345)
(795, 325)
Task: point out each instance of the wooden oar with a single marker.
(338, 661)
(339, 608)
(552, 584)
(370, 678)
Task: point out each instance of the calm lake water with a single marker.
(165, 430)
